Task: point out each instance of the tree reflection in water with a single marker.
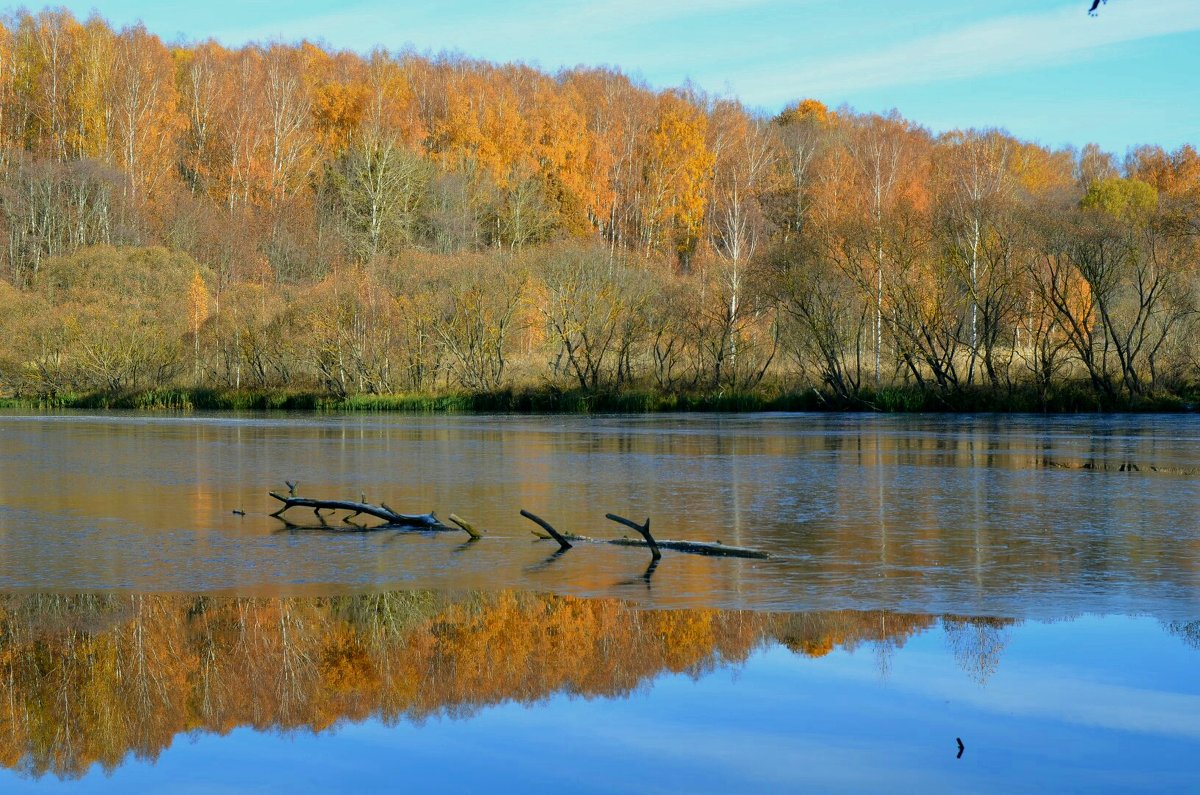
(88, 679)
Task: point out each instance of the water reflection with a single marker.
(88, 679)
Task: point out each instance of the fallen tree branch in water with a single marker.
(713, 549)
(426, 521)
(429, 521)
(644, 529)
(557, 536)
(467, 526)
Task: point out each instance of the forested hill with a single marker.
(285, 217)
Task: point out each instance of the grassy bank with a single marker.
(1069, 398)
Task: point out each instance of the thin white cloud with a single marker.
(610, 15)
(535, 27)
(1049, 692)
(995, 46)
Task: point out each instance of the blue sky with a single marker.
(1042, 69)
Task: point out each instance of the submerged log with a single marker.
(427, 521)
(713, 549)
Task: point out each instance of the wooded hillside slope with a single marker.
(284, 217)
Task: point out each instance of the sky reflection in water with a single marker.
(572, 694)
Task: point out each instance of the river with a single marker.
(929, 578)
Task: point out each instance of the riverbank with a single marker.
(1070, 398)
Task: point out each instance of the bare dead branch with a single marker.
(644, 529)
(562, 542)
(465, 525)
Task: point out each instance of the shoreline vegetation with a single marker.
(284, 226)
(1070, 399)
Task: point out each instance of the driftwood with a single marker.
(467, 526)
(557, 536)
(429, 521)
(644, 529)
(714, 549)
(691, 547)
(391, 518)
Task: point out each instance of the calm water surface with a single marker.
(1028, 584)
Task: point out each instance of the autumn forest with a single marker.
(288, 219)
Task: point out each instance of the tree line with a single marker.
(287, 217)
